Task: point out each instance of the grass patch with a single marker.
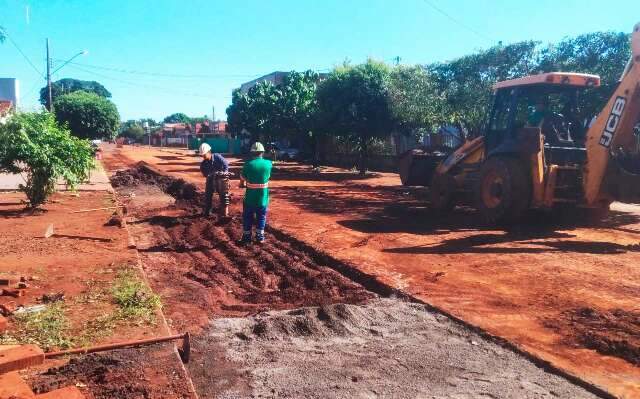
(48, 329)
(136, 302)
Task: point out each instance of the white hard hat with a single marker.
(257, 147)
(204, 148)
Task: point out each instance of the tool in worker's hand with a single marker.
(185, 351)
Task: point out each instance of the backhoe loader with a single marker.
(537, 151)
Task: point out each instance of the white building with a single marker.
(10, 91)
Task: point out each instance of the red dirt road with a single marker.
(561, 291)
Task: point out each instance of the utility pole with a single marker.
(49, 97)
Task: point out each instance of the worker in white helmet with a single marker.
(255, 177)
(211, 163)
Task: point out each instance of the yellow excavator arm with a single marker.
(614, 132)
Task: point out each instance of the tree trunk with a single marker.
(364, 155)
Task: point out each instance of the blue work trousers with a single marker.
(249, 216)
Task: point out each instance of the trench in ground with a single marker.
(203, 274)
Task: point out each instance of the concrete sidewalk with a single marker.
(98, 181)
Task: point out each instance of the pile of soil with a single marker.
(386, 348)
(123, 374)
(177, 188)
(197, 262)
(614, 333)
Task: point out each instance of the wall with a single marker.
(10, 90)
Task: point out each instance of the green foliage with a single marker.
(88, 115)
(67, 86)
(272, 112)
(49, 329)
(132, 129)
(133, 297)
(416, 102)
(178, 117)
(600, 53)
(239, 112)
(34, 145)
(354, 103)
(463, 86)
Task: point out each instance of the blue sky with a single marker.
(211, 47)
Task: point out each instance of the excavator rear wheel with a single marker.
(503, 191)
(442, 190)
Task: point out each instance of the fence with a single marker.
(221, 145)
(376, 163)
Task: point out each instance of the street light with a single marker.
(83, 52)
(49, 73)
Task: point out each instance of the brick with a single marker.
(3, 323)
(6, 281)
(12, 386)
(7, 309)
(21, 357)
(13, 293)
(62, 393)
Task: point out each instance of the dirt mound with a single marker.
(614, 333)
(324, 321)
(177, 188)
(118, 374)
(198, 262)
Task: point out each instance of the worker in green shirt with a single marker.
(255, 177)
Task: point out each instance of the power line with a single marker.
(165, 89)
(467, 27)
(6, 33)
(168, 75)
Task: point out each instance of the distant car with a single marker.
(288, 154)
(285, 154)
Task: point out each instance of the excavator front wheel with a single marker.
(442, 190)
(503, 190)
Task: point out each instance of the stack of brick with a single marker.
(12, 386)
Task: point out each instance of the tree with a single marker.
(87, 115)
(238, 112)
(465, 84)
(599, 53)
(256, 111)
(354, 104)
(35, 145)
(178, 117)
(67, 86)
(132, 129)
(416, 102)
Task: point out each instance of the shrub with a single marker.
(34, 145)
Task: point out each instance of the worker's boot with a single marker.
(246, 238)
(260, 236)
